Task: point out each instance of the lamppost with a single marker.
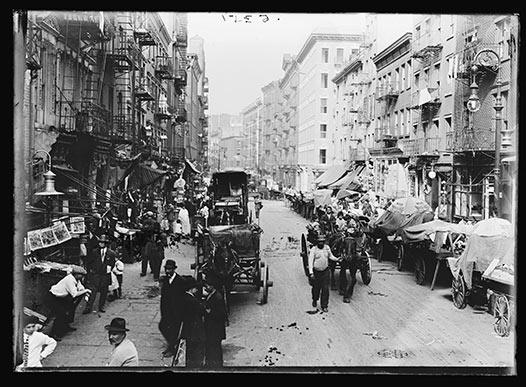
(49, 189)
(490, 59)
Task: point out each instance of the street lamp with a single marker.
(490, 59)
(49, 178)
(49, 190)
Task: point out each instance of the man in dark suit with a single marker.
(99, 265)
(172, 290)
(193, 330)
(215, 319)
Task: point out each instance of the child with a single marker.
(36, 345)
(178, 230)
(118, 272)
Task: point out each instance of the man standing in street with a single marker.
(124, 353)
(215, 319)
(100, 264)
(319, 275)
(193, 330)
(172, 290)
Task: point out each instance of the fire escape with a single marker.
(83, 65)
(125, 57)
(387, 94)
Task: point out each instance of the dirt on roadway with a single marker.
(391, 323)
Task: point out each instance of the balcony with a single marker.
(163, 67)
(384, 133)
(471, 140)
(387, 91)
(144, 37)
(182, 38)
(357, 154)
(424, 99)
(93, 119)
(181, 115)
(421, 146)
(144, 91)
(360, 79)
(425, 50)
(122, 129)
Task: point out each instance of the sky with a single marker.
(244, 51)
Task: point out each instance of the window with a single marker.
(324, 80)
(325, 55)
(503, 32)
(339, 55)
(323, 156)
(408, 67)
(323, 130)
(402, 77)
(323, 103)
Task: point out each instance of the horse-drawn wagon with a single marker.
(229, 247)
(484, 272)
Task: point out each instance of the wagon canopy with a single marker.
(409, 205)
(322, 197)
(490, 239)
(416, 219)
(244, 238)
(420, 232)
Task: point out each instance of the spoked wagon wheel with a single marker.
(420, 269)
(459, 292)
(502, 315)
(399, 257)
(265, 284)
(365, 269)
(304, 255)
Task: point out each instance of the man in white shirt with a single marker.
(63, 299)
(36, 345)
(319, 275)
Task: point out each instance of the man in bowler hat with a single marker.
(99, 266)
(214, 319)
(172, 290)
(124, 353)
(193, 330)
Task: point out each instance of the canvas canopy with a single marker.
(420, 232)
(331, 175)
(322, 197)
(490, 239)
(244, 237)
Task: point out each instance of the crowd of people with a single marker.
(192, 312)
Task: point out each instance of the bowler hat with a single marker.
(170, 263)
(118, 324)
(190, 283)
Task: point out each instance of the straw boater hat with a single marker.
(118, 324)
(321, 237)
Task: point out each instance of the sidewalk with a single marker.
(88, 346)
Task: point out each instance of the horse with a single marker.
(351, 249)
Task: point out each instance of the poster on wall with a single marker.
(35, 240)
(76, 225)
(61, 232)
(48, 237)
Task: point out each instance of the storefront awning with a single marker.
(331, 175)
(142, 176)
(347, 179)
(192, 167)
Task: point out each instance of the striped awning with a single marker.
(347, 179)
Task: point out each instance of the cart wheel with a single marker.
(420, 269)
(502, 315)
(459, 292)
(304, 255)
(264, 289)
(365, 269)
(399, 257)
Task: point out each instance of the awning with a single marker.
(346, 180)
(142, 176)
(424, 96)
(331, 175)
(192, 166)
(509, 159)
